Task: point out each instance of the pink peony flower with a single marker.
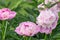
(47, 20)
(51, 1)
(54, 8)
(6, 14)
(27, 29)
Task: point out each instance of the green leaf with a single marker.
(32, 18)
(56, 33)
(40, 1)
(12, 3)
(26, 5)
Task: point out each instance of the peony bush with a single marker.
(29, 19)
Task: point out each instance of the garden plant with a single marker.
(29, 19)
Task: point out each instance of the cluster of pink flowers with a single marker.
(48, 18)
(45, 22)
(6, 14)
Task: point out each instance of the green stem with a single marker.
(25, 38)
(30, 38)
(50, 35)
(45, 37)
(2, 27)
(4, 30)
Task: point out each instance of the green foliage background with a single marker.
(26, 11)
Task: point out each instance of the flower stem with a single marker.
(4, 30)
(45, 37)
(25, 38)
(30, 38)
(50, 35)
